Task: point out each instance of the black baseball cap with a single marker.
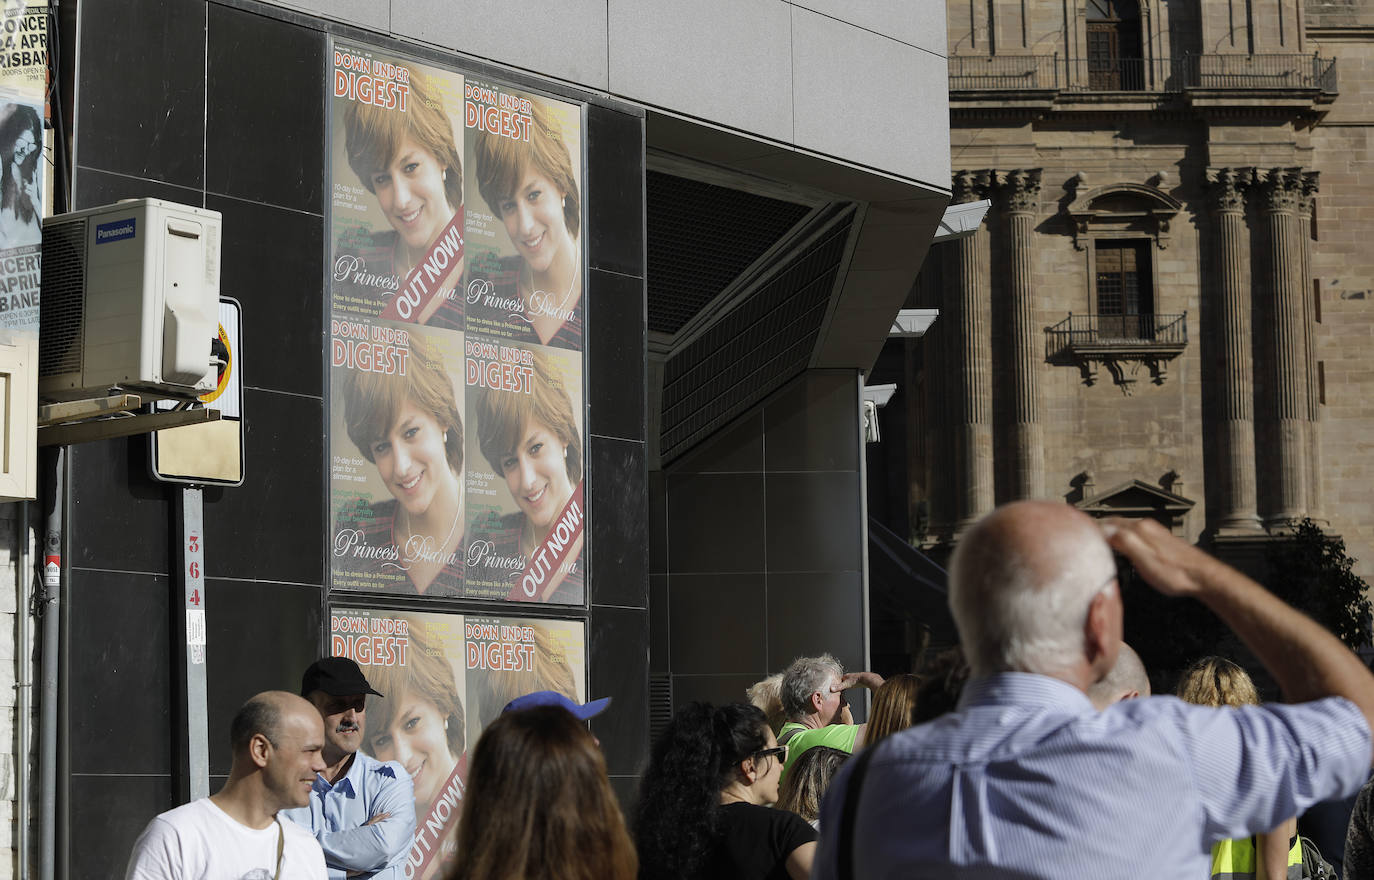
(336, 676)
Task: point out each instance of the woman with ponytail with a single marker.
(703, 803)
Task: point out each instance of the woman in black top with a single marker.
(703, 804)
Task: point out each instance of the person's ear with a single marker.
(817, 701)
(749, 770)
(260, 750)
(1101, 631)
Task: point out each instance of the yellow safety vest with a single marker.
(1237, 859)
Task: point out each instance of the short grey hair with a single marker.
(1020, 590)
(804, 677)
(1127, 674)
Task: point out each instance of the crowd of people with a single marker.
(1035, 749)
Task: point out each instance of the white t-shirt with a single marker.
(199, 841)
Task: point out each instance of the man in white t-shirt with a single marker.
(235, 834)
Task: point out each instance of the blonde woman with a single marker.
(1215, 681)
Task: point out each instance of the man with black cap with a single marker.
(362, 811)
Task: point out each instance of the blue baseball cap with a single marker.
(553, 698)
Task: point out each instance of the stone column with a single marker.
(1021, 190)
(1235, 439)
(1286, 384)
(1306, 205)
(934, 352)
(968, 359)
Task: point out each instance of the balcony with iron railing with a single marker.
(1121, 343)
(1053, 73)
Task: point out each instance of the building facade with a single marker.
(1165, 313)
(784, 165)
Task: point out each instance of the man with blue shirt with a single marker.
(1027, 779)
(362, 811)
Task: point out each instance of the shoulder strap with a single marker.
(281, 846)
(788, 734)
(844, 847)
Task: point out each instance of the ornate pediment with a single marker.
(1136, 498)
(1120, 207)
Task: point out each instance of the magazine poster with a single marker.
(526, 492)
(396, 468)
(24, 50)
(524, 185)
(445, 677)
(455, 279)
(396, 189)
(21, 215)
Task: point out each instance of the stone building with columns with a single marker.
(1169, 309)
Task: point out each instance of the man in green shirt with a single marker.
(817, 712)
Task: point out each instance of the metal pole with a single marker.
(49, 605)
(23, 686)
(188, 630)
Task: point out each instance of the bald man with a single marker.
(1127, 680)
(277, 740)
(1028, 779)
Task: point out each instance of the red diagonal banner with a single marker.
(423, 283)
(436, 830)
(554, 552)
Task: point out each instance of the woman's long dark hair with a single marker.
(692, 760)
(539, 804)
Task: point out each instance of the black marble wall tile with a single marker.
(260, 636)
(658, 522)
(658, 625)
(283, 300)
(626, 790)
(615, 355)
(715, 689)
(717, 622)
(811, 613)
(813, 423)
(715, 522)
(135, 116)
(737, 448)
(813, 521)
(120, 518)
(619, 654)
(615, 190)
(95, 188)
(265, 122)
(119, 680)
(272, 526)
(617, 517)
(108, 813)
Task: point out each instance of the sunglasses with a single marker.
(780, 751)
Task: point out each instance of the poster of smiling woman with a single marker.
(397, 470)
(524, 161)
(455, 270)
(396, 201)
(445, 677)
(525, 474)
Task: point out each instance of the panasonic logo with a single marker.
(115, 231)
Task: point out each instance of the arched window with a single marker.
(1115, 55)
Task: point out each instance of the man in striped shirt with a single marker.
(1027, 779)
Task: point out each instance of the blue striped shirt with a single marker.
(1027, 779)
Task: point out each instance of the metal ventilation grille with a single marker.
(751, 351)
(701, 237)
(660, 704)
(62, 303)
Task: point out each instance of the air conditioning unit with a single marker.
(130, 300)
